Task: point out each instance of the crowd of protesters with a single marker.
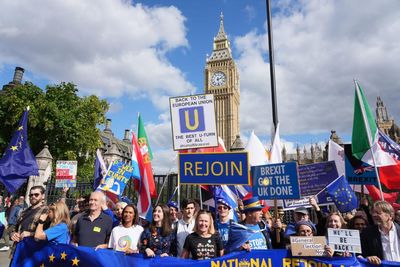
(186, 231)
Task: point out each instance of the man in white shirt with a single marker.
(381, 240)
(185, 225)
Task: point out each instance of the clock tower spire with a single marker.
(221, 78)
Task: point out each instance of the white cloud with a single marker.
(115, 107)
(320, 46)
(108, 47)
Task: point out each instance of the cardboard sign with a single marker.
(214, 168)
(312, 179)
(117, 177)
(278, 181)
(358, 172)
(344, 240)
(307, 245)
(66, 171)
(193, 121)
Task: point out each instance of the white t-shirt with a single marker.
(122, 237)
(184, 229)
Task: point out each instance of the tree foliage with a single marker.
(58, 116)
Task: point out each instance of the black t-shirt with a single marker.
(91, 234)
(203, 248)
(27, 219)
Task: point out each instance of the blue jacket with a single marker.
(14, 213)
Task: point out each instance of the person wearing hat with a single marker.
(173, 213)
(261, 238)
(307, 228)
(300, 214)
(223, 221)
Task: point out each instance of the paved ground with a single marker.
(4, 261)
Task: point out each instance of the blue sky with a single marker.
(137, 54)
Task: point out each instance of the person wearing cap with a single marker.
(261, 238)
(300, 214)
(223, 221)
(173, 213)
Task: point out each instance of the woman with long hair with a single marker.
(204, 242)
(58, 217)
(125, 237)
(159, 238)
(335, 220)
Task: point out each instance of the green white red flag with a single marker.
(365, 136)
(147, 156)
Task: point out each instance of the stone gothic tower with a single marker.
(221, 78)
(386, 123)
(382, 119)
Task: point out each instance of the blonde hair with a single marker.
(60, 212)
(211, 229)
(342, 220)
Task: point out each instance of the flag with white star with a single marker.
(18, 161)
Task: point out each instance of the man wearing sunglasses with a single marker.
(29, 218)
(223, 220)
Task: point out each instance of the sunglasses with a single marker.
(34, 194)
(222, 208)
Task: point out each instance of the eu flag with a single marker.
(18, 161)
(340, 192)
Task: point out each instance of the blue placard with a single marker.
(117, 177)
(313, 178)
(276, 181)
(358, 172)
(214, 168)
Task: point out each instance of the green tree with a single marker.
(58, 116)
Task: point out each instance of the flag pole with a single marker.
(200, 197)
(369, 136)
(165, 181)
(273, 90)
(316, 195)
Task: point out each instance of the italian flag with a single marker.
(365, 136)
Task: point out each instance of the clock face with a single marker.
(218, 78)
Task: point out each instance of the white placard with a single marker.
(193, 121)
(66, 171)
(344, 240)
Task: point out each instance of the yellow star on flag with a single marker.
(75, 261)
(51, 257)
(14, 148)
(63, 255)
(20, 128)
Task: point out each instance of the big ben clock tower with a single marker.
(222, 80)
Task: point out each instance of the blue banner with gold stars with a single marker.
(18, 161)
(30, 253)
